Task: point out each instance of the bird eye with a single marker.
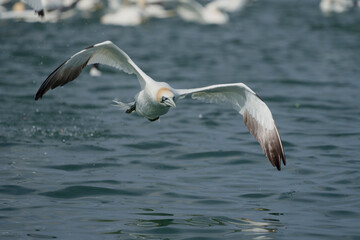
(163, 99)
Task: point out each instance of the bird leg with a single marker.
(131, 109)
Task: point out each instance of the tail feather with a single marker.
(122, 105)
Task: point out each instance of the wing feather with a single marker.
(37, 5)
(257, 116)
(104, 53)
(190, 10)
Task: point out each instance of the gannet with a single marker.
(229, 5)
(335, 6)
(157, 11)
(89, 5)
(94, 70)
(42, 7)
(126, 14)
(156, 98)
(192, 11)
(20, 13)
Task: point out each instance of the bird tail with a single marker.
(121, 105)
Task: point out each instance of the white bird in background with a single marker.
(95, 71)
(192, 11)
(154, 9)
(53, 10)
(42, 6)
(230, 5)
(89, 5)
(156, 98)
(336, 6)
(19, 12)
(126, 14)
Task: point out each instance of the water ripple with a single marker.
(79, 167)
(40, 236)
(151, 145)
(211, 154)
(87, 191)
(15, 190)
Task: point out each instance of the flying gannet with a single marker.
(156, 98)
(43, 7)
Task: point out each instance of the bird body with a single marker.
(127, 15)
(192, 11)
(149, 101)
(94, 71)
(229, 5)
(51, 10)
(156, 98)
(335, 6)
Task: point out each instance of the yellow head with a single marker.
(18, 7)
(166, 97)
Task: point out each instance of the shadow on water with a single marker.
(159, 225)
(86, 191)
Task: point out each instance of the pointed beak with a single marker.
(170, 102)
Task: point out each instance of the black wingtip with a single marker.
(283, 159)
(41, 13)
(278, 165)
(41, 91)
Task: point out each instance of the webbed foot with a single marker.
(131, 109)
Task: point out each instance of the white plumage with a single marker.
(156, 98)
(126, 15)
(336, 6)
(37, 5)
(192, 11)
(229, 5)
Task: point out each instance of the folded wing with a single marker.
(257, 116)
(104, 53)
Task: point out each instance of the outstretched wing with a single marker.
(257, 116)
(37, 5)
(104, 53)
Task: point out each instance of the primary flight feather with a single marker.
(156, 98)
